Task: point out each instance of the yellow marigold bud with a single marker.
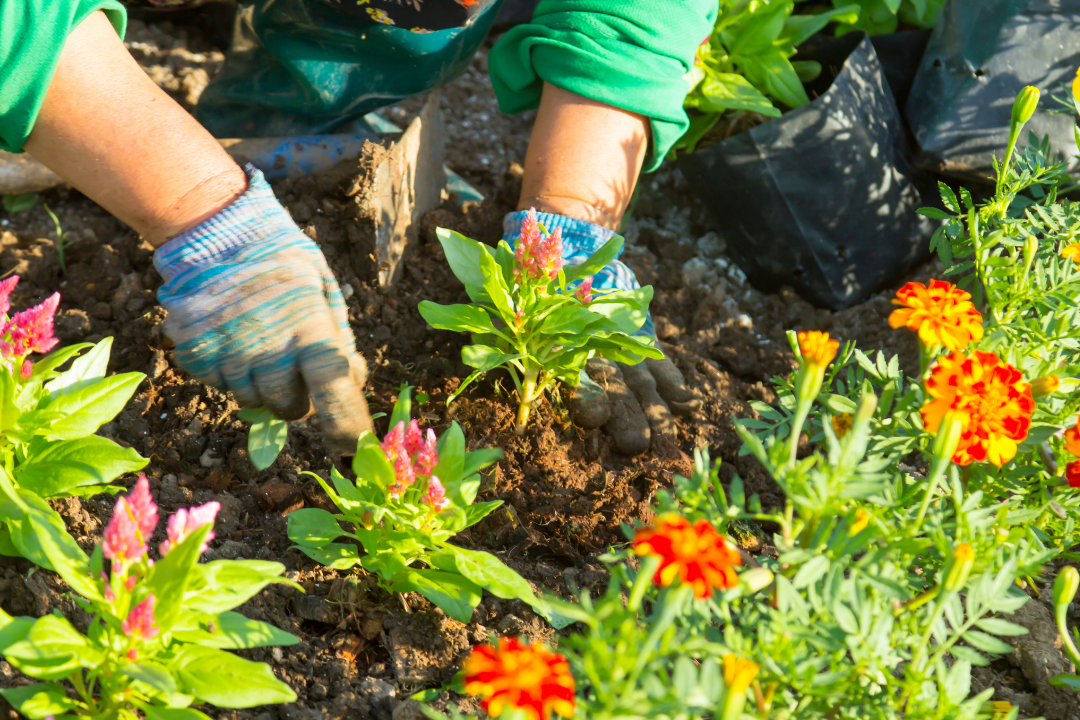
(862, 519)
(1024, 105)
(1065, 585)
(841, 424)
(959, 567)
(1046, 385)
(817, 348)
(738, 673)
(1076, 88)
(756, 579)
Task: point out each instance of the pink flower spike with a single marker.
(185, 522)
(414, 439)
(32, 330)
(584, 291)
(129, 584)
(6, 288)
(436, 494)
(122, 543)
(133, 655)
(427, 457)
(551, 259)
(26, 370)
(110, 596)
(404, 472)
(140, 621)
(144, 510)
(394, 442)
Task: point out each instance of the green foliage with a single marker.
(266, 437)
(115, 673)
(878, 17)
(20, 203)
(534, 328)
(62, 241)
(48, 448)
(403, 536)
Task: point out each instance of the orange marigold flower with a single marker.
(991, 398)
(816, 347)
(696, 554)
(739, 673)
(842, 424)
(525, 677)
(1072, 439)
(1046, 385)
(1071, 252)
(942, 314)
(1072, 474)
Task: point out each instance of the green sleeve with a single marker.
(32, 36)
(632, 54)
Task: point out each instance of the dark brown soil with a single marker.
(566, 491)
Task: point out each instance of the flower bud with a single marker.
(1024, 105)
(739, 673)
(1065, 586)
(959, 567)
(817, 352)
(948, 435)
(862, 519)
(756, 579)
(1046, 385)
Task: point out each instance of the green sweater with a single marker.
(632, 54)
(32, 35)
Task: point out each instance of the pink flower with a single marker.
(394, 442)
(26, 370)
(188, 520)
(6, 288)
(110, 596)
(129, 584)
(414, 439)
(550, 257)
(31, 330)
(404, 471)
(427, 457)
(132, 523)
(140, 621)
(436, 494)
(584, 291)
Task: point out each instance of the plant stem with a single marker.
(527, 396)
(802, 410)
(937, 469)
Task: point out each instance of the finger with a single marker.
(588, 403)
(643, 385)
(335, 375)
(672, 387)
(627, 426)
(280, 385)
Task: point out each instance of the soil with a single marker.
(566, 491)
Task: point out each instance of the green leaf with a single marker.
(476, 513)
(371, 466)
(402, 412)
(40, 700)
(225, 584)
(313, 527)
(47, 365)
(597, 261)
(339, 556)
(728, 91)
(570, 318)
(266, 437)
(52, 650)
(85, 370)
(168, 579)
(483, 358)
(92, 460)
(799, 28)
(21, 202)
(477, 460)
(463, 256)
(451, 449)
(986, 643)
(490, 573)
(150, 673)
(496, 288)
(231, 631)
(459, 318)
(225, 680)
(85, 410)
(154, 712)
(452, 593)
(997, 626)
(773, 73)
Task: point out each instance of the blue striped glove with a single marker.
(632, 402)
(254, 310)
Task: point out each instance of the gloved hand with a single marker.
(632, 402)
(254, 310)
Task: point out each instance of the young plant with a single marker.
(412, 494)
(48, 418)
(158, 633)
(62, 242)
(534, 317)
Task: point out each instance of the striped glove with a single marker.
(632, 402)
(254, 310)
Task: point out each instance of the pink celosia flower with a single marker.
(31, 330)
(6, 288)
(535, 256)
(140, 621)
(428, 457)
(26, 370)
(110, 596)
(519, 318)
(129, 584)
(132, 523)
(394, 442)
(404, 472)
(414, 439)
(584, 291)
(551, 259)
(187, 521)
(436, 494)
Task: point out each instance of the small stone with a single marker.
(665, 329)
(380, 694)
(693, 272)
(276, 653)
(736, 275)
(101, 310)
(711, 245)
(317, 609)
(72, 325)
(347, 290)
(280, 497)
(210, 459)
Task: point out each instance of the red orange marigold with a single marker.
(941, 313)
(990, 397)
(696, 554)
(526, 677)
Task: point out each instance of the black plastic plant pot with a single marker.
(980, 55)
(821, 199)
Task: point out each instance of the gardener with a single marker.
(252, 306)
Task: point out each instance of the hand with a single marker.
(254, 310)
(631, 402)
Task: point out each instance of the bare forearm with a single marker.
(584, 158)
(106, 128)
